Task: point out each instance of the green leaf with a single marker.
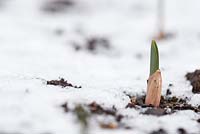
(82, 116)
(154, 61)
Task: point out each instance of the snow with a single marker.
(32, 53)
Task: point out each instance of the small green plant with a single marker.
(154, 60)
(82, 116)
(154, 85)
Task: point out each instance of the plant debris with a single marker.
(198, 120)
(168, 105)
(160, 131)
(57, 6)
(109, 125)
(96, 109)
(82, 115)
(194, 78)
(62, 82)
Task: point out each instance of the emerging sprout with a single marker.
(154, 85)
(154, 61)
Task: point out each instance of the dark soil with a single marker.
(88, 111)
(155, 111)
(65, 107)
(182, 131)
(198, 120)
(169, 92)
(57, 6)
(194, 78)
(168, 105)
(62, 82)
(96, 109)
(94, 45)
(160, 131)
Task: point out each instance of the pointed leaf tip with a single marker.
(154, 59)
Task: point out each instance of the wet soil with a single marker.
(94, 45)
(62, 82)
(96, 109)
(194, 78)
(168, 105)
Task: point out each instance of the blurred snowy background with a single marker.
(102, 45)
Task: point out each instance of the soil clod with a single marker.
(169, 92)
(65, 106)
(194, 78)
(119, 118)
(62, 82)
(94, 45)
(137, 101)
(168, 105)
(97, 109)
(160, 131)
(155, 111)
(182, 131)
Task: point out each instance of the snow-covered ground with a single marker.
(31, 52)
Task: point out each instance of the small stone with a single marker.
(168, 92)
(155, 111)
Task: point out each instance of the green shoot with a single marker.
(154, 61)
(82, 116)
